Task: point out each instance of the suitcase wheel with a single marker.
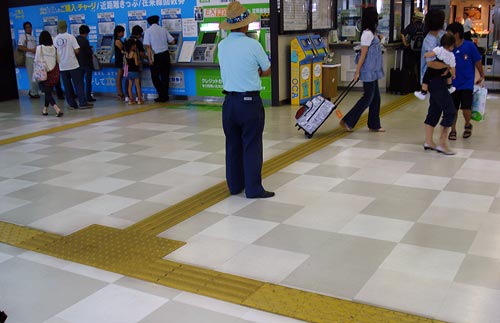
(308, 135)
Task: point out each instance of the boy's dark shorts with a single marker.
(462, 99)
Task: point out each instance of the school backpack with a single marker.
(417, 39)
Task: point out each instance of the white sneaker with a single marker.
(420, 95)
(452, 89)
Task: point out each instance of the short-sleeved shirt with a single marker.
(240, 58)
(158, 38)
(367, 37)
(412, 29)
(466, 56)
(66, 45)
(467, 25)
(28, 41)
(85, 55)
(430, 42)
(445, 55)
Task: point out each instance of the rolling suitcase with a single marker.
(402, 79)
(314, 112)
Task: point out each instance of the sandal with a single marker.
(452, 135)
(467, 131)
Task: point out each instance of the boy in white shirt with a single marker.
(443, 53)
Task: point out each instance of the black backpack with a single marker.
(417, 39)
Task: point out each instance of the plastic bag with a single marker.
(479, 103)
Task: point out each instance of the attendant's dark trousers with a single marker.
(160, 73)
(370, 99)
(243, 123)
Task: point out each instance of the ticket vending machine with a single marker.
(104, 50)
(301, 56)
(320, 52)
(205, 50)
(173, 50)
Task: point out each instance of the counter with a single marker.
(330, 80)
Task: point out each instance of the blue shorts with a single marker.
(133, 75)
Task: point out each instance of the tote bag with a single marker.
(40, 69)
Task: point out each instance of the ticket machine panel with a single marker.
(104, 50)
(205, 51)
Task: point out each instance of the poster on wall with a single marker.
(137, 17)
(171, 19)
(106, 22)
(474, 13)
(75, 21)
(50, 25)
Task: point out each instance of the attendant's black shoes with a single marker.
(263, 195)
(91, 100)
(161, 100)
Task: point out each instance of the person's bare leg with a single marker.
(429, 140)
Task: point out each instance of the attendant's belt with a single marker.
(161, 53)
(248, 93)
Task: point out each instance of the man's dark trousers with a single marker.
(243, 122)
(160, 73)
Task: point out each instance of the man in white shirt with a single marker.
(71, 74)
(156, 40)
(468, 27)
(27, 43)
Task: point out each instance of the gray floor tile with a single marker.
(128, 148)
(479, 271)
(43, 175)
(219, 159)
(295, 239)
(361, 188)
(128, 135)
(192, 226)
(438, 237)
(64, 153)
(10, 250)
(495, 206)
(397, 208)
(472, 187)
(376, 144)
(184, 313)
(142, 171)
(277, 180)
(31, 282)
(486, 154)
(443, 167)
(55, 140)
(342, 266)
(147, 287)
(141, 191)
(322, 155)
(333, 171)
(139, 211)
(269, 211)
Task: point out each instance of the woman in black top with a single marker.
(119, 49)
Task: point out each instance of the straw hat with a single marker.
(418, 15)
(237, 17)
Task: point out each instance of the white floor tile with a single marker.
(463, 201)
(11, 185)
(106, 204)
(251, 261)
(454, 218)
(423, 181)
(206, 251)
(423, 262)
(299, 167)
(377, 227)
(404, 292)
(155, 126)
(187, 155)
(231, 205)
(470, 304)
(377, 175)
(296, 196)
(313, 183)
(17, 170)
(113, 304)
(102, 156)
(346, 142)
(239, 229)
(10, 203)
(361, 153)
(4, 257)
(104, 185)
(211, 304)
(265, 317)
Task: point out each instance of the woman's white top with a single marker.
(46, 54)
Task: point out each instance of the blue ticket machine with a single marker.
(317, 64)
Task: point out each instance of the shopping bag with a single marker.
(39, 71)
(479, 103)
(52, 76)
(96, 65)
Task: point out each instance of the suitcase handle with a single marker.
(344, 93)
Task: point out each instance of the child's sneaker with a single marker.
(452, 89)
(140, 101)
(420, 95)
(131, 102)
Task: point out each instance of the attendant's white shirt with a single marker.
(30, 43)
(158, 38)
(46, 54)
(66, 45)
(467, 25)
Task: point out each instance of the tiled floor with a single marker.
(371, 218)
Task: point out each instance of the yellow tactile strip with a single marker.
(78, 124)
(137, 252)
